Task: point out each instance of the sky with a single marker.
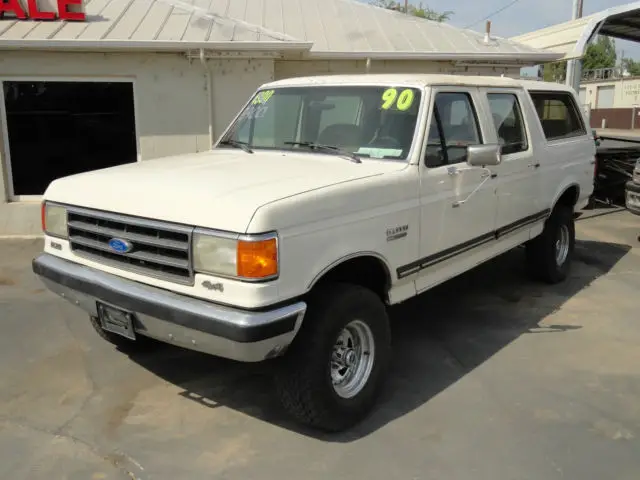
(524, 16)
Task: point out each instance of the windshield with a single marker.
(368, 121)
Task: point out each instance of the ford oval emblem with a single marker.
(120, 246)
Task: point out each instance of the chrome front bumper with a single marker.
(249, 336)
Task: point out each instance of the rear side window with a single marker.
(507, 118)
(558, 114)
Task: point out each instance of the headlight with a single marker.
(54, 220)
(638, 165)
(242, 256)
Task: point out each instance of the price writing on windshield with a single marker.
(254, 111)
(263, 97)
(402, 101)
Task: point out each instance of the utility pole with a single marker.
(574, 67)
(406, 6)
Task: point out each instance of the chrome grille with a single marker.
(160, 250)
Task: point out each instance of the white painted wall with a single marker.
(233, 83)
(171, 102)
(626, 93)
(172, 114)
(299, 68)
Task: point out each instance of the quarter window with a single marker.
(507, 118)
(454, 126)
(558, 114)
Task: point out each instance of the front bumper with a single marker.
(173, 318)
(633, 197)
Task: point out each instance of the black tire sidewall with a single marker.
(561, 217)
(330, 310)
(542, 251)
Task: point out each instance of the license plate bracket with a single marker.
(116, 321)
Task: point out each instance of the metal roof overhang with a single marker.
(497, 58)
(154, 46)
(276, 48)
(571, 38)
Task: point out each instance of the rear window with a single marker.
(558, 114)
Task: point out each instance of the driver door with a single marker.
(458, 201)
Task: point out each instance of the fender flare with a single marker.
(562, 190)
(352, 256)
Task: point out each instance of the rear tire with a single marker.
(140, 344)
(549, 255)
(332, 374)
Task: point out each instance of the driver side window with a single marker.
(454, 126)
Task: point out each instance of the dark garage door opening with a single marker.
(63, 128)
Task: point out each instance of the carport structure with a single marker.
(572, 38)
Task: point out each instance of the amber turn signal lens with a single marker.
(258, 259)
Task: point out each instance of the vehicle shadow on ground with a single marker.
(438, 338)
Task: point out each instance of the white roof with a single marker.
(325, 28)
(570, 39)
(419, 80)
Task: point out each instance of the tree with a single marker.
(631, 67)
(554, 72)
(600, 54)
(419, 11)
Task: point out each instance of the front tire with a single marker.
(332, 374)
(549, 255)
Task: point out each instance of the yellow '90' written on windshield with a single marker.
(402, 101)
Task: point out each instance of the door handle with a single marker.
(492, 175)
(534, 165)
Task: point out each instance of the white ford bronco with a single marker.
(325, 201)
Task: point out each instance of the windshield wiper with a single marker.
(328, 148)
(237, 144)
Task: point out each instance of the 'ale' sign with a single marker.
(71, 10)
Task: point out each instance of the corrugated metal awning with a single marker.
(571, 38)
(329, 29)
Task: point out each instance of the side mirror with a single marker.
(483, 155)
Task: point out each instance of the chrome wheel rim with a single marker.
(352, 359)
(562, 245)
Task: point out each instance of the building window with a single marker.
(507, 118)
(558, 114)
(58, 129)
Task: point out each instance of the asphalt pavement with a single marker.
(495, 377)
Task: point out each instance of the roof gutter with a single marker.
(515, 57)
(153, 45)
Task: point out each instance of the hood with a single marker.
(219, 189)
